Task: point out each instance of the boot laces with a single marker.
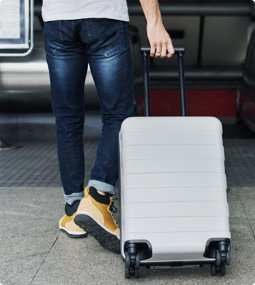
(112, 208)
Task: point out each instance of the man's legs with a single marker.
(111, 68)
(67, 66)
(110, 62)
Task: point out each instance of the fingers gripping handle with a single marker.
(179, 50)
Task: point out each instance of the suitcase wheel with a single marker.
(132, 264)
(222, 258)
(218, 269)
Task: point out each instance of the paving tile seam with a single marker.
(43, 261)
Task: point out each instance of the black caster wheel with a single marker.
(213, 269)
(132, 271)
(127, 260)
(127, 273)
(217, 258)
(137, 265)
(222, 269)
(132, 265)
(228, 258)
(127, 266)
(137, 272)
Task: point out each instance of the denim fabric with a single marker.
(70, 46)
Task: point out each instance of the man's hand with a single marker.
(160, 41)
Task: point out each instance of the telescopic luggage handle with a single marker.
(179, 50)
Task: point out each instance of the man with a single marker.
(94, 32)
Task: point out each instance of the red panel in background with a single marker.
(248, 107)
(218, 103)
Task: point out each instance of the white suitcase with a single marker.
(174, 208)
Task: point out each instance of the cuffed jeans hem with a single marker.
(69, 199)
(102, 186)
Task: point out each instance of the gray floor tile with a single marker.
(21, 271)
(29, 228)
(241, 230)
(236, 208)
(247, 197)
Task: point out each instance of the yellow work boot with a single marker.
(67, 224)
(95, 214)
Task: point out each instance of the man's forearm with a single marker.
(159, 39)
(151, 11)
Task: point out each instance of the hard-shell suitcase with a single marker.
(174, 208)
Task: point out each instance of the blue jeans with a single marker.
(70, 46)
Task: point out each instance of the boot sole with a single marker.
(72, 235)
(107, 240)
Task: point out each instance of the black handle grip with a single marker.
(179, 50)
